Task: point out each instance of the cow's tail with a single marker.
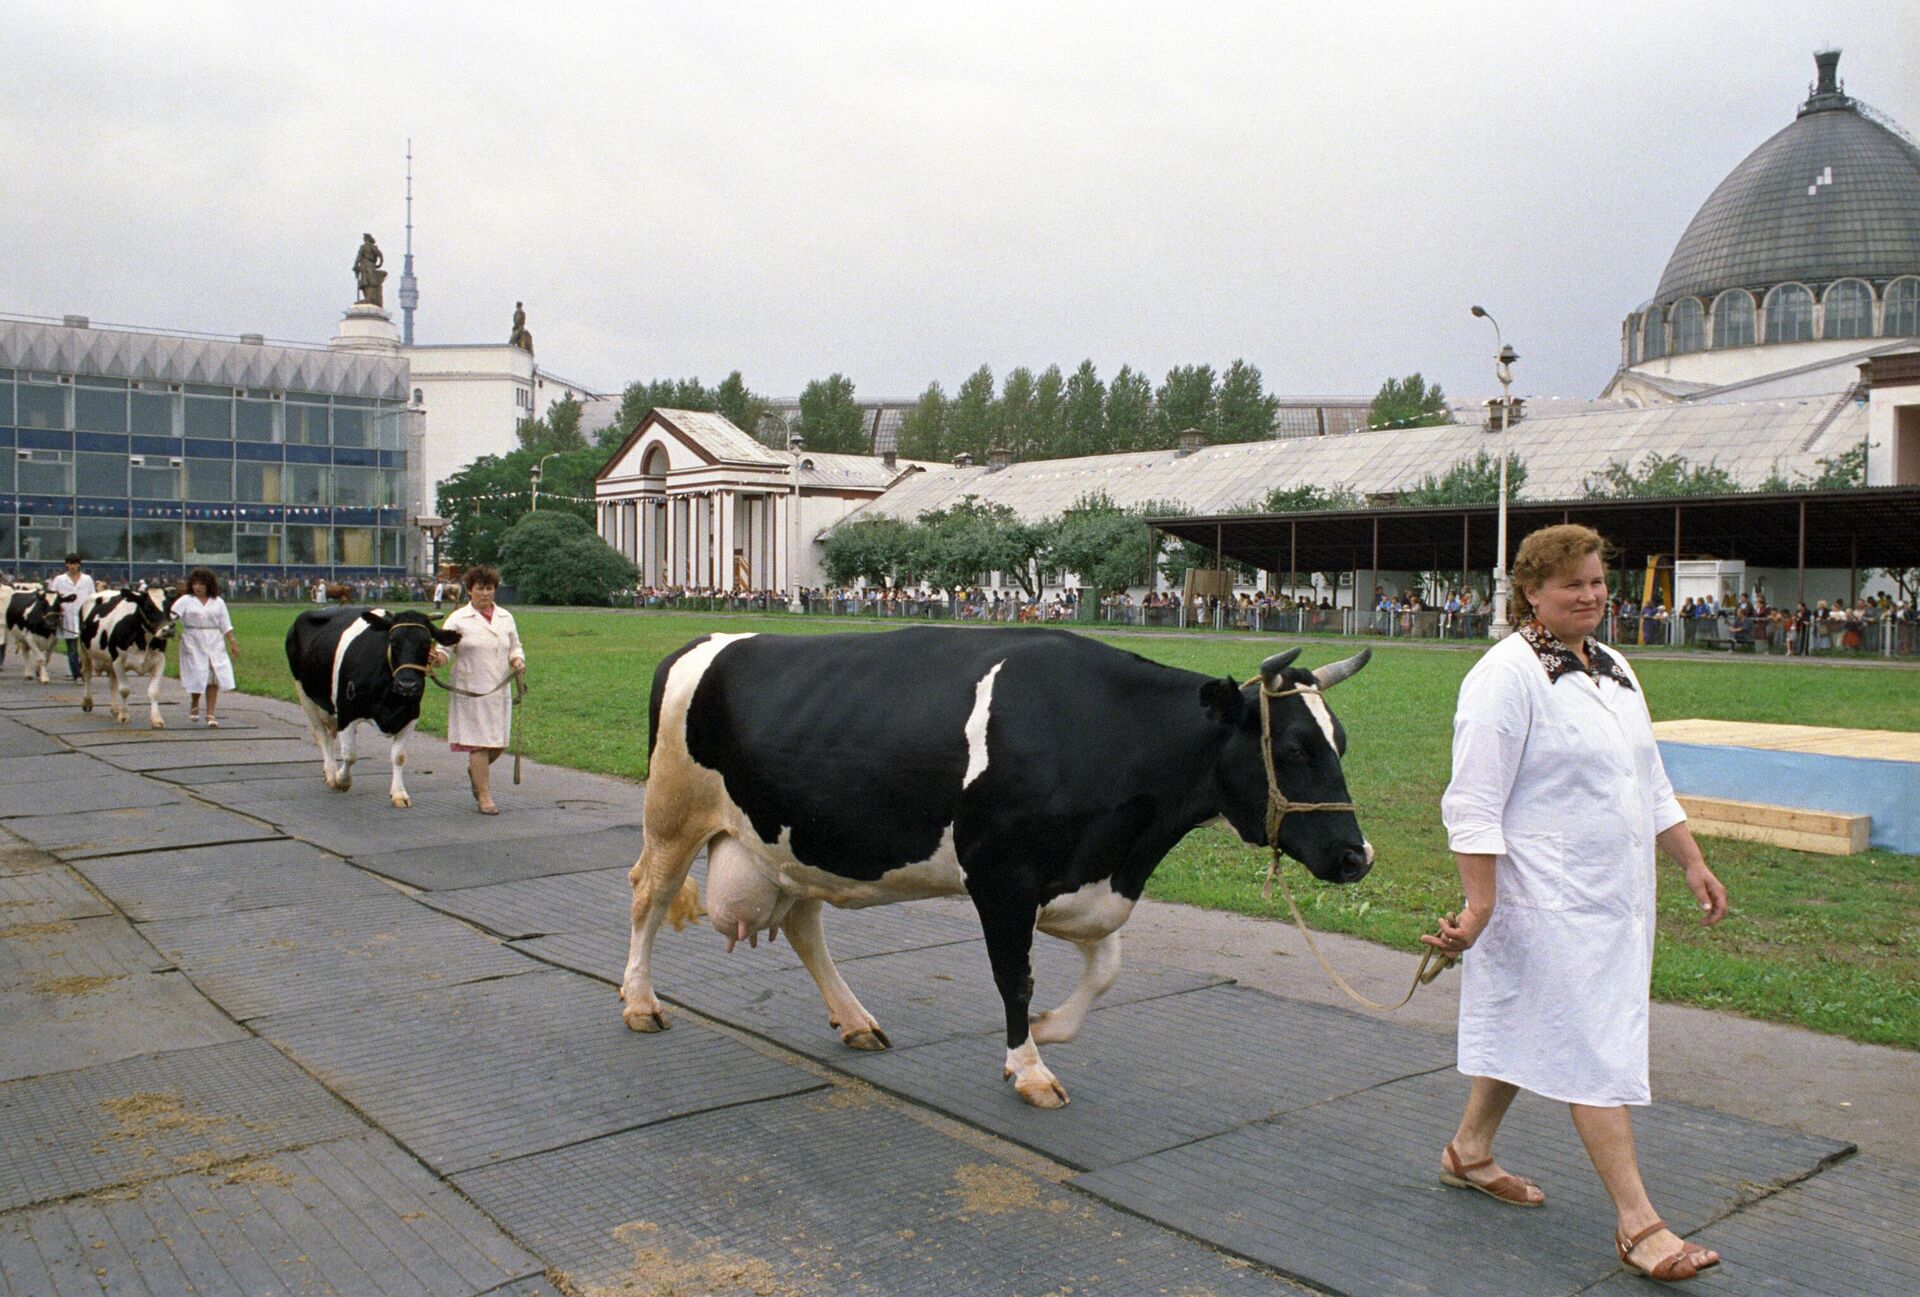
(685, 907)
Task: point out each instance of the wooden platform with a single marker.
(1879, 745)
(1827, 832)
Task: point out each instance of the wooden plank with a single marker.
(1794, 818)
(1823, 740)
(1847, 836)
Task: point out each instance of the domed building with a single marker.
(1805, 258)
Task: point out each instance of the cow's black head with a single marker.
(150, 604)
(42, 617)
(1308, 743)
(410, 639)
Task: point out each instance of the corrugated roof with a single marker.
(182, 358)
(720, 436)
(1750, 440)
(856, 472)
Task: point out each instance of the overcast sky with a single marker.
(900, 192)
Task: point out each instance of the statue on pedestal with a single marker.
(367, 273)
(520, 337)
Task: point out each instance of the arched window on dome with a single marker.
(1689, 326)
(1789, 314)
(1633, 339)
(1733, 319)
(1654, 332)
(1847, 310)
(1900, 313)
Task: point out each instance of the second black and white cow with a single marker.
(33, 625)
(125, 633)
(1040, 773)
(353, 665)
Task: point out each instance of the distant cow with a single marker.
(1042, 774)
(354, 665)
(33, 625)
(125, 632)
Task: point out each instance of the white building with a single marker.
(695, 502)
(475, 395)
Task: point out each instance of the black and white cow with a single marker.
(122, 633)
(33, 625)
(353, 665)
(1042, 774)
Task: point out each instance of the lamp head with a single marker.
(1507, 354)
(795, 442)
(1479, 312)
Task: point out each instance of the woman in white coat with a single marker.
(487, 657)
(206, 643)
(1557, 802)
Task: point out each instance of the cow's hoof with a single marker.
(642, 1019)
(86, 704)
(871, 1039)
(1042, 1092)
(158, 723)
(341, 784)
(401, 801)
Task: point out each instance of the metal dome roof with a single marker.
(1835, 194)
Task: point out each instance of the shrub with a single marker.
(556, 558)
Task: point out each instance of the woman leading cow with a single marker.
(206, 644)
(480, 706)
(1557, 802)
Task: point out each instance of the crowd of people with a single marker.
(1752, 623)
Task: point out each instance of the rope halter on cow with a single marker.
(1279, 806)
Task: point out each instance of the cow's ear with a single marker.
(375, 620)
(446, 637)
(1222, 700)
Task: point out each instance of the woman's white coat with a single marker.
(483, 658)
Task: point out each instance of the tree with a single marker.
(1104, 545)
(638, 400)
(558, 430)
(973, 416)
(1841, 472)
(830, 420)
(1085, 416)
(1016, 413)
(487, 497)
(1188, 399)
(1471, 481)
(1178, 557)
(1307, 497)
(1246, 412)
(1659, 476)
(1129, 411)
(923, 429)
(1048, 431)
(741, 406)
(553, 557)
(971, 538)
(1408, 403)
(879, 551)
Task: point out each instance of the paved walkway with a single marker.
(260, 1037)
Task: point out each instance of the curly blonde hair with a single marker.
(1548, 553)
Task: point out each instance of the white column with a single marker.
(673, 541)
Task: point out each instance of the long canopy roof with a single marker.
(1867, 527)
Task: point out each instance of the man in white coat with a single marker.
(480, 706)
(1557, 803)
(78, 584)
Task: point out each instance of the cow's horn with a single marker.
(1334, 672)
(1273, 666)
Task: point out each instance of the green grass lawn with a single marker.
(1828, 943)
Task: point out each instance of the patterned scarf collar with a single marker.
(1558, 659)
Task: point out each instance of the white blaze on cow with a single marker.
(977, 727)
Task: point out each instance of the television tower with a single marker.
(409, 288)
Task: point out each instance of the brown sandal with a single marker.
(1510, 1189)
(1681, 1266)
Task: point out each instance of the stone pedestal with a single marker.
(367, 328)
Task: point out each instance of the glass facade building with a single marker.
(152, 453)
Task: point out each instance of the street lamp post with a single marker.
(1503, 369)
(795, 444)
(536, 479)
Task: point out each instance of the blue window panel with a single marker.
(259, 513)
(351, 455)
(60, 506)
(95, 506)
(6, 436)
(355, 517)
(111, 443)
(393, 459)
(308, 455)
(158, 446)
(156, 509)
(43, 439)
(199, 448)
(266, 454)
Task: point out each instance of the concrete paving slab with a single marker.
(59, 767)
(833, 1192)
(504, 859)
(139, 828)
(195, 776)
(145, 757)
(226, 879)
(107, 946)
(1344, 1196)
(47, 895)
(1847, 1232)
(141, 1118)
(1241, 1056)
(919, 996)
(57, 1024)
(178, 729)
(108, 790)
(293, 958)
(19, 741)
(360, 822)
(477, 1073)
(348, 1216)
